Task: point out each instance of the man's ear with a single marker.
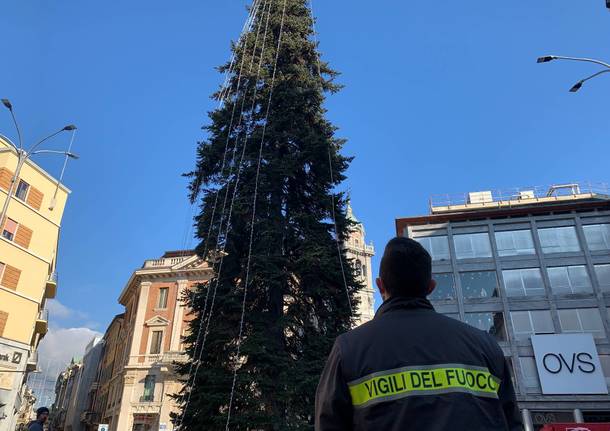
(431, 287)
(381, 288)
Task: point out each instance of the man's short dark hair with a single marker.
(406, 268)
(41, 411)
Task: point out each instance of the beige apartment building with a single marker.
(136, 371)
(28, 253)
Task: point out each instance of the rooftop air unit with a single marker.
(527, 194)
(480, 197)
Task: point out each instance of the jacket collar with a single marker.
(403, 303)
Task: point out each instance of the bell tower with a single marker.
(361, 254)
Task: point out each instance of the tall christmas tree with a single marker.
(270, 139)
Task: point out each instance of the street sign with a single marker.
(568, 364)
(102, 427)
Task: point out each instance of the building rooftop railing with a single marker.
(164, 262)
(519, 196)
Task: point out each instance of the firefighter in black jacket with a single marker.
(411, 368)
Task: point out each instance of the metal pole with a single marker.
(527, 420)
(21, 158)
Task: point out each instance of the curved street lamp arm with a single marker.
(33, 149)
(18, 129)
(588, 60)
(63, 153)
(594, 75)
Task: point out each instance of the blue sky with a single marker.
(440, 97)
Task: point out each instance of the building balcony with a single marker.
(90, 417)
(32, 362)
(51, 286)
(42, 322)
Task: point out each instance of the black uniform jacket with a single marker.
(411, 368)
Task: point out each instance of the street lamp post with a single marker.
(23, 155)
(580, 83)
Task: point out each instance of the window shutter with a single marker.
(35, 197)
(3, 319)
(10, 279)
(23, 236)
(5, 178)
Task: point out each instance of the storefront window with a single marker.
(582, 320)
(437, 246)
(516, 242)
(569, 279)
(529, 372)
(444, 287)
(528, 323)
(598, 236)
(481, 284)
(558, 240)
(470, 246)
(492, 323)
(523, 282)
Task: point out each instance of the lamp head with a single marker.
(70, 127)
(545, 59)
(72, 155)
(8, 104)
(576, 87)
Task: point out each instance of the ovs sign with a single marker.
(568, 364)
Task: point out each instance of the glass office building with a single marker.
(526, 263)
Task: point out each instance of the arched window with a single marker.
(358, 268)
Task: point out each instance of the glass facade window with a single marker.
(569, 279)
(437, 246)
(514, 243)
(605, 363)
(598, 236)
(480, 284)
(528, 323)
(529, 372)
(603, 276)
(492, 323)
(455, 316)
(523, 282)
(558, 240)
(470, 246)
(582, 320)
(444, 287)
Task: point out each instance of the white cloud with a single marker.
(57, 310)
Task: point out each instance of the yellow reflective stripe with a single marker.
(425, 380)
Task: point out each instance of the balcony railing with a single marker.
(164, 262)
(42, 321)
(51, 286)
(32, 362)
(520, 196)
(162, 358)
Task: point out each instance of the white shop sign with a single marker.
(568, 364)
(102, 427)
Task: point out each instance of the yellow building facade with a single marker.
(28, 251)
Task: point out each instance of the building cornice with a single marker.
(181, 270)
